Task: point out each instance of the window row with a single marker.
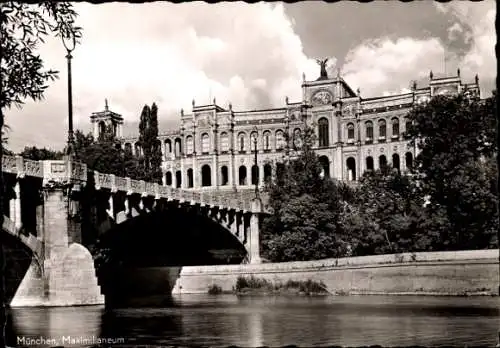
(324, 130)
(382, 163)
(382, 129)
(242, 176)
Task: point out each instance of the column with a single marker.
(110, 211)
(17, 207)
(261, 176)
(183, 174)
(254, 242)
(40, 213)
(339, 164)
(234, 224)
(174, 178)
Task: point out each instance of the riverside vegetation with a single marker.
(253, 285)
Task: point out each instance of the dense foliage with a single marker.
(150, 161)
(307, 207)
(457, 168)
(36, 154)
(105, 155)
(448, 201)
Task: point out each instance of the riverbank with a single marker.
(461, 273)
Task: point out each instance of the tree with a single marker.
(150, 161)
(456, 167)
(36, 154)
(386, 214)
(23, 27)
(306, 210)
(105, 155)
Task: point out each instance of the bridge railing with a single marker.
(66, 171)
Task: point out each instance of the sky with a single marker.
(249, 55)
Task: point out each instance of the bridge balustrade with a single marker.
(68, 172)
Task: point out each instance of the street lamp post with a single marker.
(255, 163)
(69, 42)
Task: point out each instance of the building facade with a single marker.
(215, 147)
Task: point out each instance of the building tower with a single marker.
(106, 121)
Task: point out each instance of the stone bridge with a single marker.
(50, 205)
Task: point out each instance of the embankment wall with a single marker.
(472, 272)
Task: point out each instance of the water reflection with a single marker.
(276, 321)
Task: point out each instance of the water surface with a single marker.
(251, 321)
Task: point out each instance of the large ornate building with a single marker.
(215, 147)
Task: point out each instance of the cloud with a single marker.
(478, 21)
(389, 65)
(454, 31)
(245, 54)
(385, 66)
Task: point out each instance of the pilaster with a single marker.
(254, 238)
(17, 206)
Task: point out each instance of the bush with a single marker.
(214, 289)
(252, 283)
(308, 286)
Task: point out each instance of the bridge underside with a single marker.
(145, 254)
(172, 237)
(18, 258)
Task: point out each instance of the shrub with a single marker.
(214, 289)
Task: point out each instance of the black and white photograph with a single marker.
(233, 174)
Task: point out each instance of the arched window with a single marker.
(409, 160)
(280, 140)
(268, 172)
(102, 129)
(369, 131)
(351, 169)
(381, 129)
(178, 147)
(137, 149)
(168, 146)
(325, 164)
(407, 127)
(178, 178)
(395, 127)
(267, 141)
(395, 162)
(323, 132)
(280, 172)
(242, 175)
(205, 143)
(350, 131)
(224, 176)
(241, 142)
(297, 141)
(255, 175)
(369, 163)
(382, 162)
(224, 142)
(206, 176)
(254, 137)
(189, 145)
(168, 179)
(190, 178)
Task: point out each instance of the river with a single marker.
(250, 321)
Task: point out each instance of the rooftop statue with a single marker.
(322, 63)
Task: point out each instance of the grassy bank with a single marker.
(252, 285)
